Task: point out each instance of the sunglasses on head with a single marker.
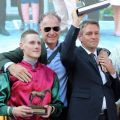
(56, 29)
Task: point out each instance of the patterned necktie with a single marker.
(92, 57)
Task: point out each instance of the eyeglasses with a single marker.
(56, 29)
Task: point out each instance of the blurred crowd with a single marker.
(62, 7)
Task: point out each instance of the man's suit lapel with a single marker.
(93, 63)
(86, 57)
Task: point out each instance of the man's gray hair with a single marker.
(51, 14)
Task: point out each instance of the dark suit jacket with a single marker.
(87, 87)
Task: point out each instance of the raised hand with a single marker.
(76, 19)
(106, 63)
(102, 54)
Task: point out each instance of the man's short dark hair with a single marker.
(30, 31)
(86, 22)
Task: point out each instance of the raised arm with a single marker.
(68, 46)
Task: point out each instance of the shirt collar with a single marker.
(95, 52)
(52, 49)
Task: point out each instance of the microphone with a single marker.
(106, 53)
